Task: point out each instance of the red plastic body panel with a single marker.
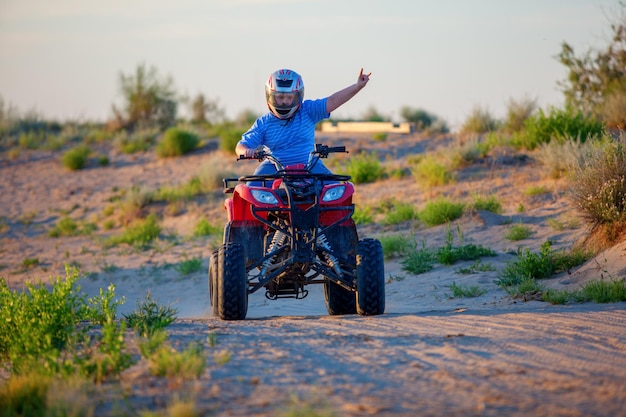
(239, 207)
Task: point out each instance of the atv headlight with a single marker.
(334, 193)
(264, 197)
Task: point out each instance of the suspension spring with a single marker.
(278, 240)
(322, 242)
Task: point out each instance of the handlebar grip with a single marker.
(338, 149)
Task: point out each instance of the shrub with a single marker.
(176, 142)
(364, 168)
(614, 110)
(490, 203)
(480, 121)
(440, 211)
(150, 316)
(189, 265)
(380, 136)
(559, 125)
(601, 291)
(598, 188)
(212, 173)
(139, 141)
(76, 158)
(204, 228)
(559, 158)
(467, 152)
(180, 192)
(459, 291)
(518, 232)
(229, 137)
(517, 113)
(188, 364)
(395, 245)
(140, 233)
(528, 265)
(400, 212)
(38, 324)
(419, 261)
(363, 215)
(428, 172)
(64, 227)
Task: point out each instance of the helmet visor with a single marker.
(284, 101)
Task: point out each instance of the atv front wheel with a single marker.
(370, 278)
(232, 283)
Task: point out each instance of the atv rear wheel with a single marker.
(232, 283)
(370, 278)
(213, 262)
(338, 299)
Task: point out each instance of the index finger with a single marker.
(361, 73)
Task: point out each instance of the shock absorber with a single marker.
(278, 240)
(322, 242)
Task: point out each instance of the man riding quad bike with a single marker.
(290, 229)
(290, 224)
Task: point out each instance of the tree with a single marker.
(421, 118)
(597, 76)
(150, 100)
(204, 110)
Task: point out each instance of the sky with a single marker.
(63, 58)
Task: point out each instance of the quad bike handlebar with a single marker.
(265, 154)
(321, 151)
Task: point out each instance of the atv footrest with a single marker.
(286, 292)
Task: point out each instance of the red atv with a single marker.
(291, 229)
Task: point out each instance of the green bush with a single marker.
(528, 265)
(518, 111)
(150, 316)
(601, 291)
(37, 325)
(204, 228)
(64, 227)
(139, 141)
(395, 245)
(614, 109)
(440, 211)
(176, 142)
(428, 172)
(140, 233)
(229, 137)
(558, 125)
(559, 158)
(490, 203)
(518, 232)
(363, 215)
(400, 212)
(598, 187)
(480, 121)
(364, 168)
(76, 158)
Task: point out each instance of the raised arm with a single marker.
(340, 97)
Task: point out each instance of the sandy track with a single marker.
(540, 360)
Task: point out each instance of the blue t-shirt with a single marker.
(291, 141)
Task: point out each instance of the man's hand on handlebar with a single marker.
(259, 153)
(249, 154)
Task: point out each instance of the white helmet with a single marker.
(284, 92)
